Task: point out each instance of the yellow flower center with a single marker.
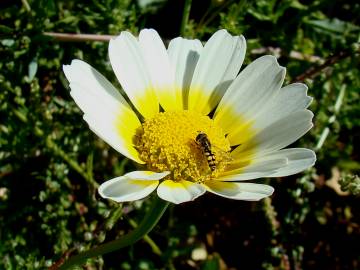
(167, 142)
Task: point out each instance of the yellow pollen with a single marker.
(167, 142)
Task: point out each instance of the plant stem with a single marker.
(154, 247)
(332, 119)
(316, 70)
(78, 37)
(74, 37)
(215, 13)
(147, 224)
(185, 17)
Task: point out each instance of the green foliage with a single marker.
(51, 163)
(351, 183)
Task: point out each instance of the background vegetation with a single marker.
(51, 163)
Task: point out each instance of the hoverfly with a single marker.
(203, 141)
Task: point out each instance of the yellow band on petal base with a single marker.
(167, 142)
(240, 131)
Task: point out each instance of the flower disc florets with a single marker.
(167, 142)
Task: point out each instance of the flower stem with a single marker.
(147, 224)
(337, 107)
(74, 37)
(154, 247)
(185, 17)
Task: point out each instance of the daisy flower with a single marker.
(194, 124)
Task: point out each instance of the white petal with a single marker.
(162, 74)
(128, 62)
(89, 78)
(276, 164)
(236, 59)
(184, 55)
(290, 99)
(218, 65)
(146, 175)
(246, 97)
(277, 136)
(105, 110)
(125, 189)
(299, 159)
(179, 192)
(244, 176)
(257, 169)
(240, 191)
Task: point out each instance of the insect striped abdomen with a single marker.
(203, 141)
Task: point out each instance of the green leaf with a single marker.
(5, 29)
(32, 69)
(296, 4)
(211, 264)
(334, 26)
(7, 42)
